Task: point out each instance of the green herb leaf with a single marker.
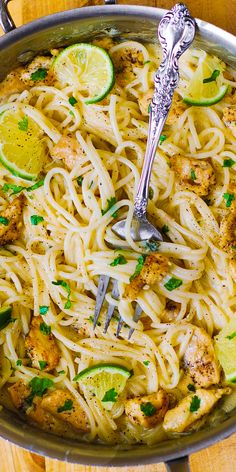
(172, 284)
(149, 108)
(66, 286)
(23, 124)
(138, 267)
(61, 372)
(191, 388)
(39, 74)
(153, 246)
(45, 329)
(91, 318)
(39, 386)
(42, 364)
(228, 163)
(148, 409)
(43, 309)
(38, 184)
(195, 404)
(71, 113)
(231, 336)
(19, 362)
(146, 362)
(67, 305)
(118, 260)
(165, 229)
(4, 221)
(192, 175)
(68, 405)
(80, 180)
(72, 101)
(213, 77)
(163, 137)
(5, 316)
(110, 396)
(150, 193)
(146, 62)
(229, 197)
(110, 203)
(36, 219)
(16, 188)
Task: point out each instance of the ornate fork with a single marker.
(175, 32)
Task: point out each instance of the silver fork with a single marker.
(175, 32)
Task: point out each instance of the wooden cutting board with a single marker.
(222, 456)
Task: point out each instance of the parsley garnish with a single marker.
(213, 77)
(36, 219)
(71, 113)
(165, 229)
(45, 329)
(153, 246)
(39, 386)
(163, 137)
(39, 74)
(146, 62)
(229, 197)
(68, 405)
(110, 396)
(42, 364)
(146, 362)
(195, 404)
(149, 108)
(193, 174)
(23, 124)
(150, 193)
(18, 188)
(66, 286)
(91, 318)
(38, 184)
(61, 372)
(191, 388)
(172, 284)
(43, 309)
(148, 409)
(138, 267)
(4, 221)
(110, 203)
(228, 163)
(118, 260)
(72, 101)
(231, 336)
(80, 180)
(19, 362)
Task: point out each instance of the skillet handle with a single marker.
(178, 465)
(6, 20)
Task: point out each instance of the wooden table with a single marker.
(222, 456)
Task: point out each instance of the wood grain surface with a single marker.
(222, 456)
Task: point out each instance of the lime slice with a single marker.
(22, 150)
(105, 381)
(225, 347)
(88, 69)
(206, 87)
(5, 316)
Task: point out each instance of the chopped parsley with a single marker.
(43, 309)
(36, 219)
(146, 62)
(23, 124)
(110, 203)
(68, 405)
(149, 108)
(61, 372)
(80, 180)
(165, 229)
(19, 362)
(153, 246)
(138, 267)
(213, 77)
(72, 101)
(119, 260)
(42, 365)
(71, 113)
(38, 184)
(4, 221)
(231, 336)
(192, 175)
(15, 188)
(191, 388)
(39, 74)
(110, 396)
(148, 409)
(195, 404)
(163, 137)
(229, 197)
(45, 329)
(228, 163)
(66, 286)
(150, 193)
(172, 284)
(91, 318)
(39, 386)
(146, 362)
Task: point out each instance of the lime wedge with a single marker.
(105, 381)
(22, 150)
(206, 86)
(5, 316)
(88, 69)
(225, 347)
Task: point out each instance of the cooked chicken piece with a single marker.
(154, 269)
(229, 118)
(179, 419)
(125, 60)
(227, 237)
(148, 410)
(41, 347)
(144, 101)
(170, 312)
(62, 399)
(193, 174)
(105, 43)
(69, 150)
(200, 360)
(19, 391)
(40, 62)
(12, 84)
(176, 110)
(10, 229)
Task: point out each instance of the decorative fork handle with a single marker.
(175, 32)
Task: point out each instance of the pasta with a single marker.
(55, 263)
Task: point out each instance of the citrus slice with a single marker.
(105, 381)
(88, 69)
(206, 86)
(22, 150)
(5, 316)
(225, 347)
